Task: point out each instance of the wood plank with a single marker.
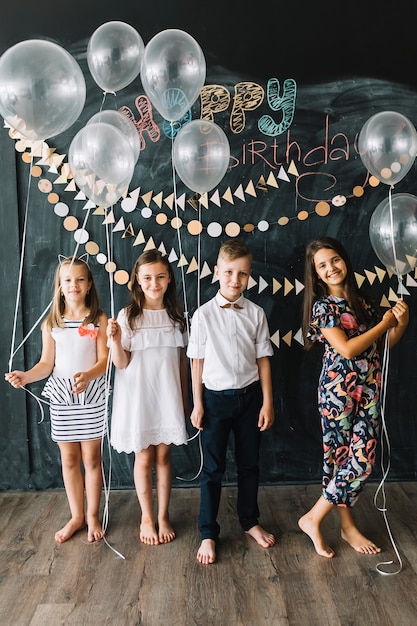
(78, 584)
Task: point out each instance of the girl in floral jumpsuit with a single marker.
(338, 314)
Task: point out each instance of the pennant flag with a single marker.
(119, 226)
(251, 283)
(250, 189)
(172, 256)
(272, 181)
(282, 175)
(293, 169)
(298, 286)
(139, 238)
(129, 232)
(380, 273)
(288, 338)
(370, 276)
(275, 338)
(150, 245)
(262, 284)
(276, 286)
(239, 193)
(193, 267)
(183, 261)
(169, 201)
(392, 295)
(228, 196)
(206, 271)
(147, 197)
(287, 287)
(359, 279)
(215, 198)
(299, 337)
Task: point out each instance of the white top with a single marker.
(229, 340)
(147, 398)
(74, 352)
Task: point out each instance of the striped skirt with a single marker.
(76, 417)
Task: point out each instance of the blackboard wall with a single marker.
(272, 177)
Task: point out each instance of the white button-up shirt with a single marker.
(229, 340)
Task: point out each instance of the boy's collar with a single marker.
(221, 300)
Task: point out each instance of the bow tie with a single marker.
(229, 304)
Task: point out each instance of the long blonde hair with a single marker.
(54, 317)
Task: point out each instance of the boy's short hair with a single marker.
(234, 249)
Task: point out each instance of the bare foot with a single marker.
(68, 530)
(207, 552)
(148, 534)
(261, 536)
(358, 542)
(310, 528)
(95, 530)
(166, 532)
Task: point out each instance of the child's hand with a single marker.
(266, 418)
(389, 319)
(113, 329)
(80, 382)
(197, 417)
(401, 312)
(16, 378)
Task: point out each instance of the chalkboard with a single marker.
(294, 175)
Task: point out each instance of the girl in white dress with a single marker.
(150, 386)
(74, 356)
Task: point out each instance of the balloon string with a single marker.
(14, 351)
(179, 234)
(107, 480)
(400, 278)
(385, 469)
(197, 434)
(22, 256)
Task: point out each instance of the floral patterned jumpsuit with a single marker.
(348, 400)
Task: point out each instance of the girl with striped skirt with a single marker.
(74, 357)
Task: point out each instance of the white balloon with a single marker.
(124, 124)
(42, 89)
(201, 155)
(101, 162)
(173, 72)
(114, 55)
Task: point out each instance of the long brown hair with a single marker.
(315, 288)
(171, 302)
(54, 318)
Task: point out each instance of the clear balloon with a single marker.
(201, 154)
(102, 163)
(42, 89)
(388, 146)
(173, 72)
(124, 124)
(114, 55)
(393, 232)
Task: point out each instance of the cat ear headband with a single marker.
(83, 257)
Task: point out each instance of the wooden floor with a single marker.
(79, 584)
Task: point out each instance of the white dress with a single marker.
(75, 417)
(147, 398)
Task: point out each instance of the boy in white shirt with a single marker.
(230, 349)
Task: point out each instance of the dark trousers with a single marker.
(225, 412)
